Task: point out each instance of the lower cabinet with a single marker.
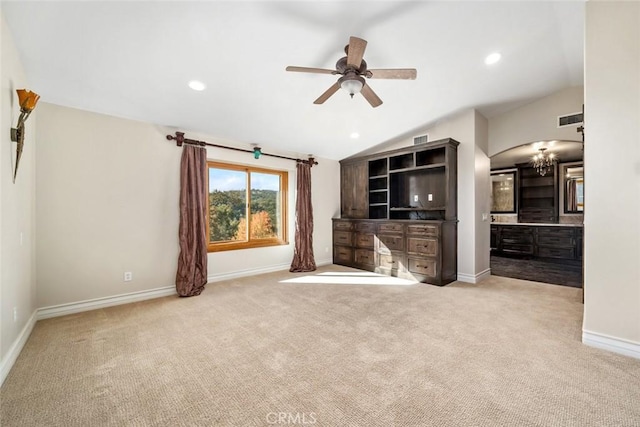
(422, 250)
(561, 242)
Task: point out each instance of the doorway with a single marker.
(537, 213)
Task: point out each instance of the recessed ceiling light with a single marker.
(197, 85)
(354, 135)
(492, 58)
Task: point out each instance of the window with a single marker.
(247, 207)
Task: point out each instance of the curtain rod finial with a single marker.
(179, 138)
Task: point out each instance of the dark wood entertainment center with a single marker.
(399, 213)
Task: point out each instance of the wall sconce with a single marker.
(28, 101)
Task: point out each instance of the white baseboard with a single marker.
(248, 272)
(12, 355)
(613, 344)
(474, 278)
(261, 270)
(324, 262)
(92, 304)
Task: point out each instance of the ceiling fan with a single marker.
(353, 69)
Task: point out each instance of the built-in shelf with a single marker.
(433, 166)
(401, 161)
(396, 171)
(431, 157)
(411, 203)
(438, 208)
(377, 168)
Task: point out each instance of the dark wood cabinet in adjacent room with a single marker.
(409, 196)
(557, 241)
(538, 195)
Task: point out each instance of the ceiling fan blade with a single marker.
(355, 51)
(333, 89)
(394, 73)
(311, 70)
(370, 96)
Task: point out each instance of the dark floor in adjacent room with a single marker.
(557, 272)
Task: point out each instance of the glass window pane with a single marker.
(266, 209)
(227, 205)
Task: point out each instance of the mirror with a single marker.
(503, 191)
(573, 188)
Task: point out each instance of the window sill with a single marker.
(232, 246)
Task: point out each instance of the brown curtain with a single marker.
(303, 253)
(192, 262)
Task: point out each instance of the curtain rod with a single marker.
(180, 139)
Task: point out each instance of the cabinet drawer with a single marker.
(393, 261)
(428, 247)
(388, 243)
(342, 225)
(565, 253)
(364, 257)
(390, 228)
(423, 266)
(555, 232)
(519, 238)
(366, 227)
(560, 241)
(423, 230)
(342, 238)
(515, 248)
(364, 240)
(342, 255)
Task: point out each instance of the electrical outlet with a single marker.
(415, 198)
(326, 250)
(15, 314)
(430, 197)
(128, 276)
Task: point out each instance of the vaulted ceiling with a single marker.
(134, 60)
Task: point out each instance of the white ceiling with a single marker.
(134, 60)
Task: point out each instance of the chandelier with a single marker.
(542, 162)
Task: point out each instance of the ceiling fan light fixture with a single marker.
(351, 83)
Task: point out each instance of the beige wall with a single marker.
(17, 201)
(107, 203)
(536, 121)
(612, 171)
(482, 182)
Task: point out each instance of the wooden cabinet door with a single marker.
(354, 190)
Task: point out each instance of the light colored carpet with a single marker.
(259, 351)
